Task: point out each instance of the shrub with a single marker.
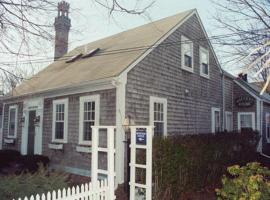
(26, 184)
(192, 162)
(31, 163)
(8, 156)
(247, 182)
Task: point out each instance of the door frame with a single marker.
(30, 105)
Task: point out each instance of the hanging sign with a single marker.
(141, 136)
(244, 101)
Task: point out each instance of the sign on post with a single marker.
(141, 141)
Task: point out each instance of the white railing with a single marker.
(85, 191)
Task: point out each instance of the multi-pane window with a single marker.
(216, 122)
(12, 121)
(88, 120)
(59, 121)
(158, 119)
(89, 116)
(246, 121)
(229, 121)
(187, 54)
(158, 115)
(204, 62)
(267, 127)
(60, 109)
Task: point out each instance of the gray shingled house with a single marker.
(163, 73)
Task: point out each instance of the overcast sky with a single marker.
(90, 21)
(93, 21)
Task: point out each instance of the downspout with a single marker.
(2, 131)
(223, 101)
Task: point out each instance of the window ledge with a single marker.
(56, 146)
(84, 149)
(9, 140)
(188, 69)
(205, 76)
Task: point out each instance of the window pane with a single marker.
(217, 121)
(246, 121)
(159, 128)
(12, 115)
(204, 68)
(59, 130)
(87, 131)
(188, 61)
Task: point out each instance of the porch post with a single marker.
(120, 132)
(94, 156)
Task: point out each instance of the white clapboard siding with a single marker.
(83, 192)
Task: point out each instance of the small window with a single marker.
(74, 58)
(187, 54)
(229, 121)
(246, 121)
(89, 116)
(216, 122)
(158, 115)
(91, 53)
(12, 121)
(267, 127)
(60, 120)
(204, 62)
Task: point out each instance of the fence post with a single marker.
(110, 159)
(149, 162)
(94, 156)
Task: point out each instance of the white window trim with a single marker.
(266, 116)
(96, 99)
(151, 111)
(202, 49)
(16, 121)
(55, 102)
(226, 120)
(245, 113)
(183, 39)
(213, 110)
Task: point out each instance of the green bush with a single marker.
(244, 183)
(192, 162)
(26, 184)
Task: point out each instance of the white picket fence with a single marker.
(83, 192)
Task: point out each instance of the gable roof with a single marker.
(114, 57)
(251, 88)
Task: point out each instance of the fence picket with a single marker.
(87, 191)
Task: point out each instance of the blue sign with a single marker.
(141, 136)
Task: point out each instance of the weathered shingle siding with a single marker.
(265, 144)
(228, 93)
(237, 92)
(160, 74)
(69, 157)
(17, 144)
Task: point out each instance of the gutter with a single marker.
(91, 86)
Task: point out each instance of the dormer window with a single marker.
(74, 58)
(204, 62)
(187, 54)
(91, 53)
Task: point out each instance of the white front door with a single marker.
(32, 127)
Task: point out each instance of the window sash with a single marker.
(158, 118)
(12, 121)
(60, 120)
(204, 61)
(89, 116)
(187, 54)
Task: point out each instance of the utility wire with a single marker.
(127, 50)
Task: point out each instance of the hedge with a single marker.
(192, 162)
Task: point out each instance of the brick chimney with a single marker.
(62, 26)
(243, 77)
